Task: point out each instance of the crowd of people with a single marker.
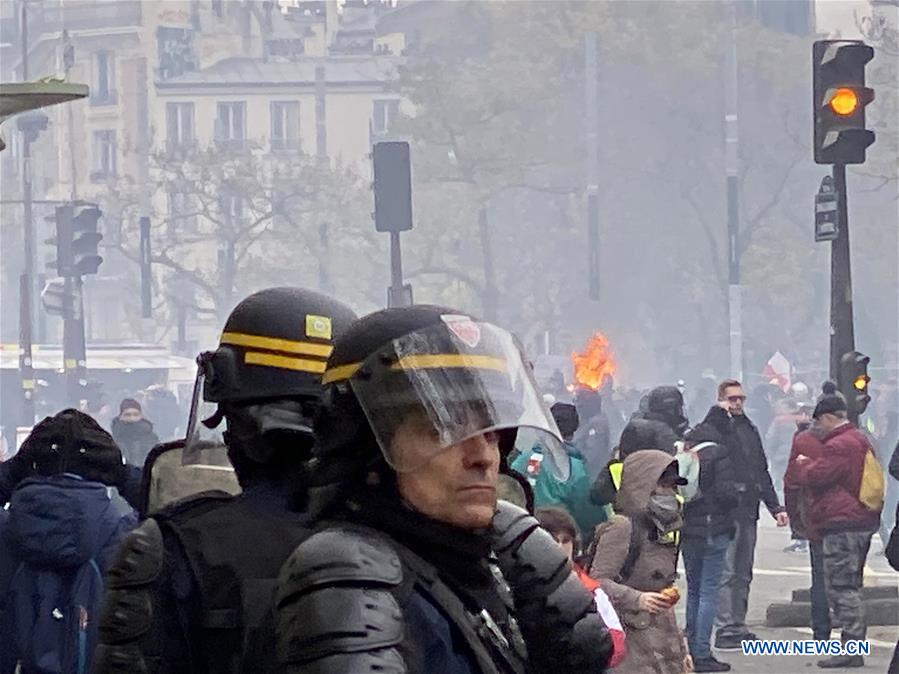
(364, 530)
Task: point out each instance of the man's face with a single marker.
(457, 485)
(130, 415)
(735, 398)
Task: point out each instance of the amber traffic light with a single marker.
(839, 98)
(854, 381)
(844, 101)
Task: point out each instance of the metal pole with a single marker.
(842, 331)
(74, 352)
(591, 93)
(26, 366)
(732, 168)
(27, 297)
(396, 270)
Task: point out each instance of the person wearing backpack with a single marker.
(844, 485)
(634, 557)
(56, 541)
(707, 533)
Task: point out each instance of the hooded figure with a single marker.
(635, 537)
(56, 541)
(572, 494)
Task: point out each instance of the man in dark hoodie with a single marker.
(133, 432)
(56, 541)
(753, 485)
(660, 426)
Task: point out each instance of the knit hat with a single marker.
(73, 442)
(831, 402)
(129, 404)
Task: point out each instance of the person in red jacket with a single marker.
(830, 481)
(807, 442)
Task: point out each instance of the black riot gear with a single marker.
(449, 598)
(210, 609)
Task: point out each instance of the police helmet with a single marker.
(274, 344)
(454, 375)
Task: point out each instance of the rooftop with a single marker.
(261, 72)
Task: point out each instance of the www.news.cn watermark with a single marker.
(807, 647)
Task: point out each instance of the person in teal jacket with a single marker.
(574, 493)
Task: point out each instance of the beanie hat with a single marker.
(829, 403)
(73, 442)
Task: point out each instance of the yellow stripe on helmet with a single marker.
(276, 344)
(429, 361)
(284, 362)
(449, 360)
(340, 372)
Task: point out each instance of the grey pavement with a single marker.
(776, 575)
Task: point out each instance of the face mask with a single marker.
(665, 512)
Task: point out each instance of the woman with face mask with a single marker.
(634, 556)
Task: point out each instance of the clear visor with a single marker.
(432, 389)
(202, 443)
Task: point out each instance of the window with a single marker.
(179, 125)
(104, 155)
(103, 91)
(230, 124)
(384, 114)
(175, 47)
(285, 125)
(182, 213)
(231, 206)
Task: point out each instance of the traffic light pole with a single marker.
(73, 344)
(842, 331)
(26, 282)
(26, 365)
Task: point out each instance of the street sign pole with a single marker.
(842, 331)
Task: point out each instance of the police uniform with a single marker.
(382, 587)
(191, 589)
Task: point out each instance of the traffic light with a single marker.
(63, 239)
(393, 186)
(85, 239)
(854, 380)
(839, 100)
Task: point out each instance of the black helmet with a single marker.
(459, 375)
(274, 345)
(266, 375)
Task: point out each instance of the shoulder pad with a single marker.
(342, 556)
(535, 561)
(334, 603)
(187, 506)
(510, 523)
(139, 558)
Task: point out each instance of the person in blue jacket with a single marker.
(57, 539)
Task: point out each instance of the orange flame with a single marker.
(595, 364)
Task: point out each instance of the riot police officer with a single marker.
(416, 566)
(191, 588)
